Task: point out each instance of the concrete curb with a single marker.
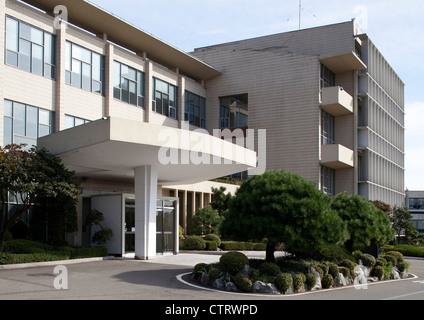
(51, 263)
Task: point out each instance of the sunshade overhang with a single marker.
(111, 148)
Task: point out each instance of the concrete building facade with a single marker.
(332, 106)
(136, 118)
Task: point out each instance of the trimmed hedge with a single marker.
(233, 262)
(237, 245)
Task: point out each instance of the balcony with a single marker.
(336, 101)
(336, 156)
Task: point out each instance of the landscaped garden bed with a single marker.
(236, 273)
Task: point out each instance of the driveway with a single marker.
(125, 279)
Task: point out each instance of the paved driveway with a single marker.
(157, 280)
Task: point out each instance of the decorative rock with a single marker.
(340, 281)
(318, 285)
(231, 287)
(395, 274)
(262, 287)
(245, 270)
(204, 279)
(219, 284)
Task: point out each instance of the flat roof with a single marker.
(96, 20)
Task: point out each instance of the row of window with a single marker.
(416, 203)
(33, 50)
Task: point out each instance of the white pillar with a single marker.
(146, 185)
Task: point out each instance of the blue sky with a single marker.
(396, 28)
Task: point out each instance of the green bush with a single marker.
(368, 260)
(333, 253)
(240, 245)
(269, 268)
(333, 269)
(254, 274)
(378, 272)
(324, 268)
(311, 280)
(327, 282)
(346, 272)
(299, 280)
(284, 282)
(233, 261)
(200, 268)
(20, 246)
(396, 254)
(391, 259)
(403, 266)
(94, 252)
(213, 274)
(211, 245)
(357, 255)
(380, 262)
(213, 237)
(194, 243)
(243, 283)
(408, 250)
(348, 264)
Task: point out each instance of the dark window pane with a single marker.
(12, 58)
(133, 93)
(97, 87)
(68, 77)
(117, 93)
(125, 90)
(86, 77)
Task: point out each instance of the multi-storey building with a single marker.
(134, 116)
(414, 201)
(332, 106)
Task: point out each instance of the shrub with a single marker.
(368, 260)
(357, 255)
(284, 282)
(299, 280)
(243, 283)
(21, 246)
(213, 274)
(81, 253)
(391, 259)
(213, 237)
(311, 280)
(324, 268)
(345, 272)
(396, 254)
(378, 272)
(333, 269)
(380, 262)
(254, 274)
(348, 264)
(194, 243)
(411, 251)
(333, 253)
(200, 268)
(403, 266)
(269, 268)
(211, 245)
(233, 261)
(327, 282)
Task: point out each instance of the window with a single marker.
(165, 98)
(328, 128)
(328, 181)
(84, 68)
(29, 48)
(195, 110)
(416, 203)
(24, 124)
(71, 122)
(328, 77)
(234, 111)
(128, 84)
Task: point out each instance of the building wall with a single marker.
(283, 91)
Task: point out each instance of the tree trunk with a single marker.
(270, 250)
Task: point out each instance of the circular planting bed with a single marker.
(236, 273)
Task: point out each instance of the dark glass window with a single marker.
(166, 101)
(234, 111)
(328, 77)
(328, 128)
(128, 84)
(195, 110)
(328, 181)
(29, 48)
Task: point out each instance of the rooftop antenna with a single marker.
(300, 12)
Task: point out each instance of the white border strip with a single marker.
(180, 278)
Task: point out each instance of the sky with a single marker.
(395, 27)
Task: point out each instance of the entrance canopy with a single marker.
(111, 148)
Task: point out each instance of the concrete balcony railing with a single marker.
(336, 101)
(336, 156)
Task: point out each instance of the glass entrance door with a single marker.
(165, 225)
(129, 225)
